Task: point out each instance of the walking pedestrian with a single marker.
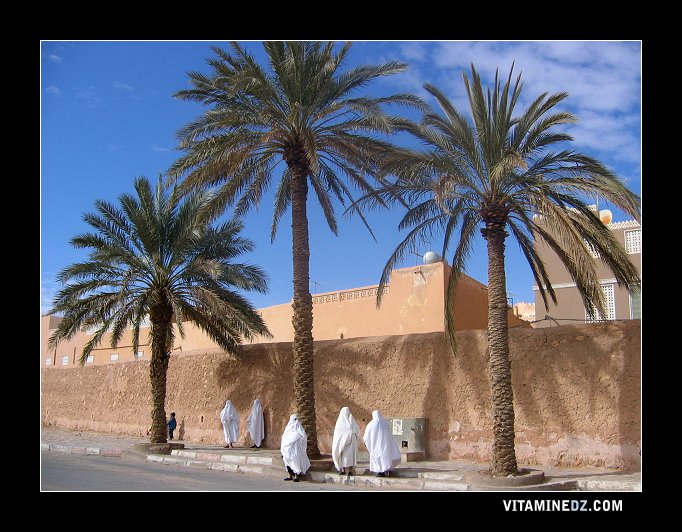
(383, 450)
(255, 425)
(172, 423)
(345, 442)
(230, 420)
(294, 448)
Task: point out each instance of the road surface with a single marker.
(69, 472)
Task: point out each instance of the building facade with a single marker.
(621, 304)
(525, 311)
(413, 302)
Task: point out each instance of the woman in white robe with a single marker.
(383, 450)
(294, 448)
(230, 420)
(345, 442)
(255, 425)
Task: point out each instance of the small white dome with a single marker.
(431, 257)
(605, 216)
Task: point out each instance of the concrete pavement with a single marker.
(430, 475)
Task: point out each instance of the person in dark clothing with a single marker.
(172, 423)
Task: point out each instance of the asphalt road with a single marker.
(69, 472)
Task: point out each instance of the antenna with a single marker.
(316, 284)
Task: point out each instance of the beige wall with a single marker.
(577, 392)
(413, 303)
(100, 355)
(569, 304)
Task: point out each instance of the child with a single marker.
(172, 423)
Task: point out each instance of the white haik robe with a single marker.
(345, 441)
(294, 446)
(254, 423)
(383, 450)
(230, 420)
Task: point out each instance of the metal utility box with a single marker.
(410, 435)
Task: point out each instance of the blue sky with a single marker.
(108, 116)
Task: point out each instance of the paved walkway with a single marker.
(447, 475)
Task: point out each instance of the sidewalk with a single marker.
(433, 475)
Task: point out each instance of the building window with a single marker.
(635, 304)
(65, 360)
(593, 250)
(48, 361)
(139, 354)
(594, 315)
(90, 359)
(113, 357)
(633, 241)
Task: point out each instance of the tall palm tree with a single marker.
(300, 111)
(507, 173)
(159, 257)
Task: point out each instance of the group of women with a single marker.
(384, 453)
(254, 424)
(383, 450)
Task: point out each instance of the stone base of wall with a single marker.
(577, 392)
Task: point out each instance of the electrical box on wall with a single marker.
(410, 435)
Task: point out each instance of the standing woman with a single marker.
(255, 425)
(230, 419)
(345, 442)
(294, 447)
(383, 450)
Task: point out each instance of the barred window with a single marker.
(65, 360)
(633, 241)
(113, 357)
(593, 315)
(90, 359)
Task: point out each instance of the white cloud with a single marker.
(413, 51)
(55, 58)
(89, 97)
(54, 90)
(123, 86)
(602, 79)
(602, 76)
(158, 148)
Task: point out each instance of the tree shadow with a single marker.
(579, 394)
(338, 383)
(265, 372)
(576, 391)
(456, 399)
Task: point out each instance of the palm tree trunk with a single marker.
(499, 364)
(304, 381)
(158, 369)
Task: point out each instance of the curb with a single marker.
(93, 451)
(266, 466)
(431, 481)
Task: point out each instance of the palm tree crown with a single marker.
(300, 111)
(505, 174)
(502, 171)
(161, 258)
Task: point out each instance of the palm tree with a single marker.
(506, 173)
(299, 111)
(161, 258)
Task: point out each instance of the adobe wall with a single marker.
(577, 392)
